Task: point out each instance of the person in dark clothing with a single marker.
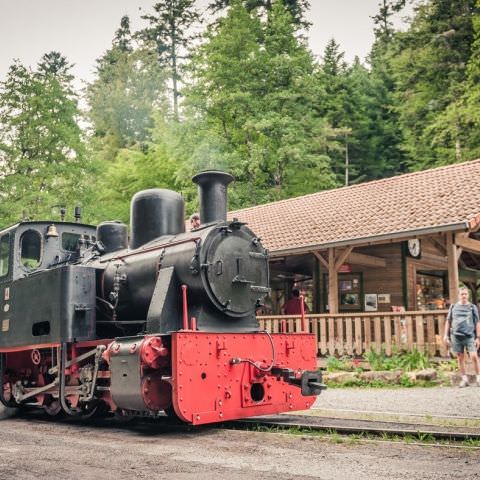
(462, 331)
(294, 305)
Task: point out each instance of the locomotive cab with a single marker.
(28, 247)
(40, 301)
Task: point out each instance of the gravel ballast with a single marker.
(447, 401)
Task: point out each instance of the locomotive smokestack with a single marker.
(212, 190)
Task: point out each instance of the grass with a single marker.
(333, 436)
(395, 417)
(405, 362)
(405, 382)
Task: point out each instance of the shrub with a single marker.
(343, 364)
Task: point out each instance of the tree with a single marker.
(383, 29)
(254, 107)
(41, 149)
(133, 170)
(170, 32)
(296, 8)
(128, 88)
(459, 123)
(385, 155)
(429, 67)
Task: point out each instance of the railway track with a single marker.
(383, 429)
(362, 427)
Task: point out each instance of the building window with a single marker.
(350, 291)
(31, 249)
(4, 254)
(430, 290)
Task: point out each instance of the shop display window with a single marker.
(430, 291)
(350, 293)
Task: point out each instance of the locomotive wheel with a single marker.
(172, 415)
(120, 417)
(90, 410)
(7, 412)
(53, 408)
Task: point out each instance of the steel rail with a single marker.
(355, 427)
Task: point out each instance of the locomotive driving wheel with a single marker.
(52, 406)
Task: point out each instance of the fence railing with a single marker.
(354, 334)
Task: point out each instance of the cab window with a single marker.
(31, 249)
(4, 254)
(69, 241)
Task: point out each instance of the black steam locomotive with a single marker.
(90, 323)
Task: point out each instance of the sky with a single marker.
(83, 29)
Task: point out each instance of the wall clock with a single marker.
(414, 248)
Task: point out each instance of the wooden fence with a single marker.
(354, 334)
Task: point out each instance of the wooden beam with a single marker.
(332, 283)
(468, 244)
(438, 244)
(452, 259)
(429, 259)
(320, 258)
(342, 257)
(366, 260)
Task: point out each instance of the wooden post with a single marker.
(332, 266)
(332, 283)
(452, 259)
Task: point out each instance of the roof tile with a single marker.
(430, 198)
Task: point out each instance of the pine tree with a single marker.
(41, 147)
(459, 123)
(128, 88)
(430, 74)
(170, 32)
(383, 29)
(296, 8)
(385, 153)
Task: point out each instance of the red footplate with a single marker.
(215, 376)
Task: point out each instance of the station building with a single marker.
(398, 244)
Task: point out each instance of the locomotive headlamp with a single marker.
(52, 231)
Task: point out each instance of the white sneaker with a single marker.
(464, 383)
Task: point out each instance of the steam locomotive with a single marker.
(91, 323)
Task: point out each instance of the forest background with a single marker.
(243, 93)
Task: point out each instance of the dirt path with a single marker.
(34, 448)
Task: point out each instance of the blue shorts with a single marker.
(459, 345)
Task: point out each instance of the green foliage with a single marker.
(408, 361)
(128, 89)
(253, 108)
(343, 364)
(296, 8)
(414, 360)
(169, 34)
(429, 64)
(256, 103)
(42, 154)
(134, 169)
(407, 382)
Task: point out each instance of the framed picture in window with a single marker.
(371, 302)
(345, 285)
(350, 299)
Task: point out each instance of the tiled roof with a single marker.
(431, 199)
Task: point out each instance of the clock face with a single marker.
(414, 248)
